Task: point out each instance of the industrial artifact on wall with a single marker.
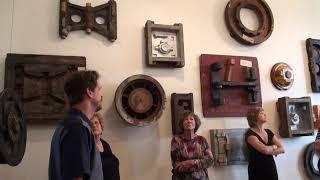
(164, 45)
(313, 50)
(227, 146)
(13, 132)
(230, 85)
(295, 116)
(101, 19)
(180, 103)
(38, 81)
(240, 32)
(282, 76)
(311, 158)
(316, 115)
(140, 100)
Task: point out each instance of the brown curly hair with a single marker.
(252, 116)
(196, 119)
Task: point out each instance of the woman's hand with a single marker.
(184, 165)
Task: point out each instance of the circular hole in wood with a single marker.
(75, 18)
(249, 19)
(100, 20)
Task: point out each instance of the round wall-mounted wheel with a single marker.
(309, 164)
(13, 133)
(241, 33)
(140, 100)
(282, 76)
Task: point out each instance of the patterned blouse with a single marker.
(197, 150)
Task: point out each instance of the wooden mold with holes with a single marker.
(180, 103)
(101, 19)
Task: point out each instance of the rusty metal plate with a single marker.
(227, 89)
(313, 50)
(227, 146)
(13, 133)
(180, 103)
(140, 100)
(282, 76)
(101, 19)
(241, 33)
(296, 118)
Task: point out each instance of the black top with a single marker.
(261, 166)
(76, 147)
(110, 163)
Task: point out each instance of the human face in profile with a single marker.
(262, 117)
(97, 97)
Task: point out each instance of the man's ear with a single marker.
(89, 93)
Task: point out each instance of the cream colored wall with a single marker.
(144, 151)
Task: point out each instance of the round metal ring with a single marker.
(13, 133)
(309, 166)
(140, 100)
(241, 33)
(282, 76)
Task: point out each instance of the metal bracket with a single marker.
(218, 84)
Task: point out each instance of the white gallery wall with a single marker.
(31, 27)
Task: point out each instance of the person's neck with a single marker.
(85, 108)
(189, 134)
(97, 139)
(259, 128)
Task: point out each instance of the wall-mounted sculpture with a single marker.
(227, 146)
(316, 115)
(313, 50)
(13, 133)
(230, 85)
(282, 76)
(164, 45)
(295, 116)
(101, 19)
(241, 33)
(311, 162)
(38, 81)
(140, 100)
(180, 103)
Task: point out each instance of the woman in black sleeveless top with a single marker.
(262, 145)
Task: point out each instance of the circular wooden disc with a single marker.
(309, 154)
(13, 133)
(241, 33)
(140, 100)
